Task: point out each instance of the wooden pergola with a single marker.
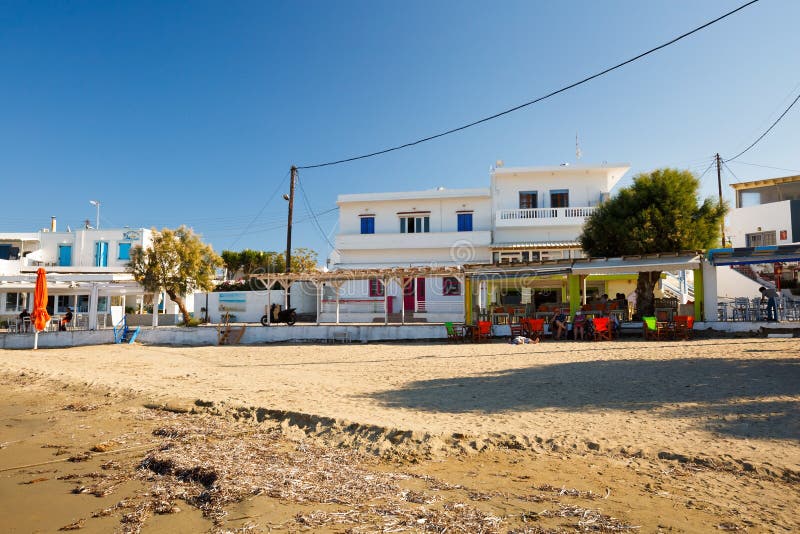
(338, 278)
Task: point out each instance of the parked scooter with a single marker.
(288, 316)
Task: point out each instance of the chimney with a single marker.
(53, 223)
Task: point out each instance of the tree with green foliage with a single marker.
(658, 213)
(247, 262)
(178, 262)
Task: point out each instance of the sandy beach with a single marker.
(722, 412)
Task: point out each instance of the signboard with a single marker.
(232, 301)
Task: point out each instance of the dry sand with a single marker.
(714, 422)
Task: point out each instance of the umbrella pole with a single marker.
(35, 339)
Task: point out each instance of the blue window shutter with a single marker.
(124, 251)
(367, 225)
(464, 222)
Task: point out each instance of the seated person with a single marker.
(579, 325)
(559, 326)
(66, 320)
(22, 322)
(613, 322)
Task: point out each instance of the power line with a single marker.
(754, 143)
(700, 179)
(534, 101)
(246, 228)
(765, 166)
(308, 206)
(269, 228)
(730, 171)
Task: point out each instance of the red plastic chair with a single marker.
(483, 331)
(684, 326)
(533, 328)
(602, 330)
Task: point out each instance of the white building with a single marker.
(526, 214)
(767, 212)
(81, 265)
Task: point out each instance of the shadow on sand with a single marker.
(704, 388)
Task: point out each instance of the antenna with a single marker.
(577, 147)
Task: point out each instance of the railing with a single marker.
(545, 213)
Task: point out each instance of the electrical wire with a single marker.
(534, 101)
(700, 178)
(754, 143)
(725, 163)
(246, 228)
(765, 166)
(308, 206)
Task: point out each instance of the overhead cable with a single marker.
(534, 101)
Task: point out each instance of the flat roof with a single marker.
(766, 182)
(623, 167)
(479, 192)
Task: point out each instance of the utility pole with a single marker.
(719, 186)
(289, 232)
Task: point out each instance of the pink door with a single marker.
(420, 294)
(408, 294)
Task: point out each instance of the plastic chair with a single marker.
(602, 331)
(652, 328)
(454, 333)
(533, 328)
(483, 331)
(684, 326)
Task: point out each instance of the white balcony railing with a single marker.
(544, 216)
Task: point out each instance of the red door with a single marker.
(420, 294)
(408, 294)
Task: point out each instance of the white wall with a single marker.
(250, 311)
(775, 216)
(83, 245)
(584, 185)
(732, 284)
(443, 216)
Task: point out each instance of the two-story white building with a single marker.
(767, 212)
(81, 265)
(526, 214)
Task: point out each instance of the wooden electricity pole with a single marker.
(719, 186)
(289, 231)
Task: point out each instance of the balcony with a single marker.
(442, 240)
(543, 217)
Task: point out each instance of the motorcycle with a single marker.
(288, 316)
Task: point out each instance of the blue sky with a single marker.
(191, 113)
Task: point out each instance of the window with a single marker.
(559, 198)
(124, 251)
(83, 304)
(415, 225)
(101, 254)
(63, 302)
(367, 225)
(528, 200)
(760, 239)
(375, 288)
(451, 286)
(14, 302)
(464, 222)
(102, 304)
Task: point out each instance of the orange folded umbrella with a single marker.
(40, 316)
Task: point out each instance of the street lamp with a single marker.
(97, 221)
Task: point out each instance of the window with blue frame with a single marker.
(65, 255)
(367, 225)
(464, 222)
(124, 251)
(101, 254)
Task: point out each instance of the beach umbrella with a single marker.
(39, 316)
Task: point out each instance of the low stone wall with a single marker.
(257, 334)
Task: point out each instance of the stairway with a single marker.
(745, 270)
(124, 334)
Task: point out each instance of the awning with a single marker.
(635, 264)
(535, 245)
(497, 273)
(751, 255)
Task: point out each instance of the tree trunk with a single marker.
(177, 299)
(645, 301)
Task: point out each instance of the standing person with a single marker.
(772, 306)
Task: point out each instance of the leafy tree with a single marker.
(178, 262)
(658, 213)
(248, 262)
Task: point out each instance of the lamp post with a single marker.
(97, 220)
